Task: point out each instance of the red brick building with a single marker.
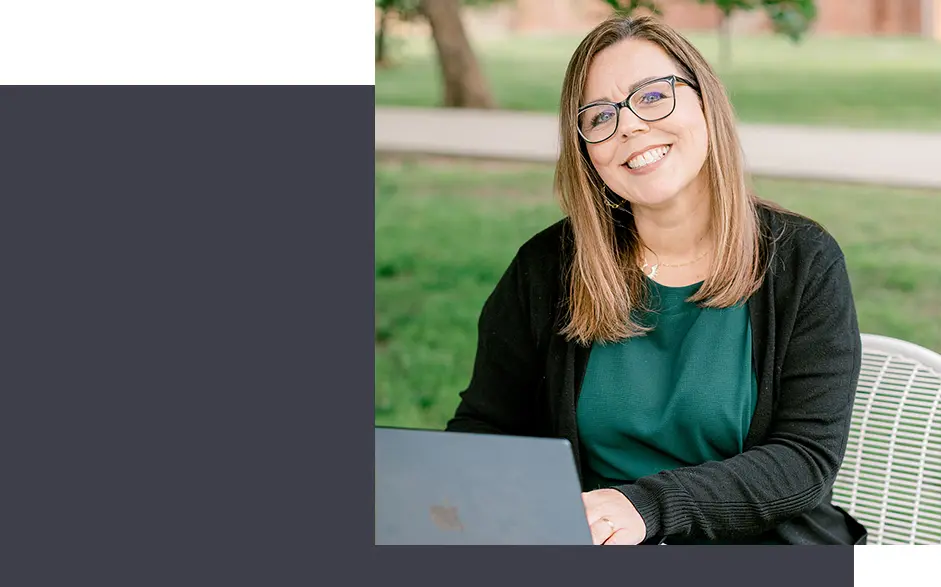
(835, 17)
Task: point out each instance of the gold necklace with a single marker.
(656, 267)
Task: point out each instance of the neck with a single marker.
(676, 232)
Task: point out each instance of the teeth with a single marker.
(648, 157)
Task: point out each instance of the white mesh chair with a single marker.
(890, 479)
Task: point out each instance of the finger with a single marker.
(601, 530)
(613, 539)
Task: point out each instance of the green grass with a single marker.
(850, 82)
(445, 231)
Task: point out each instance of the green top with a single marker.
(681, 395)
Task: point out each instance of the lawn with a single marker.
(850, 82)
(445, 231)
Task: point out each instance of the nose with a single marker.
(629, 124)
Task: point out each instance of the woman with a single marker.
(697, 346)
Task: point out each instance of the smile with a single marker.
(648, 157)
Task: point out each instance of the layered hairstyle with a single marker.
(605, 283)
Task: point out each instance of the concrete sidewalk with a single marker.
(881, 157)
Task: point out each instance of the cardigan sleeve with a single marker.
(500, 397)
(793, 470)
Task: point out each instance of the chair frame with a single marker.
(906, 360)
(902, 348)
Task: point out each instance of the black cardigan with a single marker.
(806, 351)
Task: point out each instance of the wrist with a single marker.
(644, 508)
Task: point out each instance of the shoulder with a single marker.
(544, 255)
(551, 240)
(796, 241)
(538, 272)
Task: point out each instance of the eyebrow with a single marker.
(633, 87)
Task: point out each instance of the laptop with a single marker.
(457, 488)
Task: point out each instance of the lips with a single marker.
(647, 156)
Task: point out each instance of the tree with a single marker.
(728, 8)
(792, 18)
(464, 83)
(405, 10)
(629, 7)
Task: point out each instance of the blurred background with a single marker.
(839, 103)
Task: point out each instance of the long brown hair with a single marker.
(605, 285)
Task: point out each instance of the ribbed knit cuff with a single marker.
(646, 505)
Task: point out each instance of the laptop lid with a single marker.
(441, 488)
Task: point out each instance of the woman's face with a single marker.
(682, 136)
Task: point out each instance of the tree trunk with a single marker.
(381, 38)
(725, 42)
(464, 83)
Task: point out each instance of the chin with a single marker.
(655, 200)
(660, 188)
(651, 195)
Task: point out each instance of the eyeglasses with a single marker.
(653, 101)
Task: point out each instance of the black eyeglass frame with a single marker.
(626, 103)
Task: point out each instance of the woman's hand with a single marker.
(612, 518)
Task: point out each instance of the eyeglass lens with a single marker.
(653, 102)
